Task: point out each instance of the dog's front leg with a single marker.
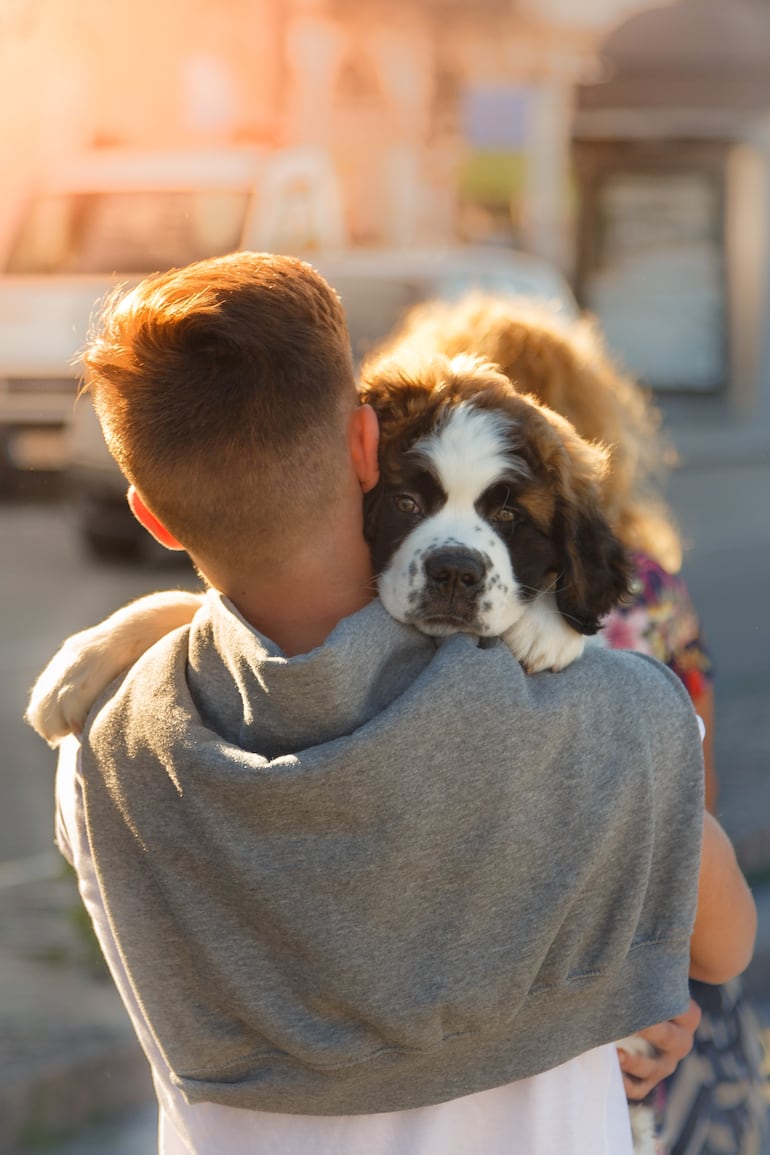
(88, 661)
(541, 639)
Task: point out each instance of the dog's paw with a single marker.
(642, 1119)
(636, 1045)
(641, 1113)
(87, 662)
(541, 639)
(69, 685)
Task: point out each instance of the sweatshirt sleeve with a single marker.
(678, 798)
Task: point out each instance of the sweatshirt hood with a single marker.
(246, 689)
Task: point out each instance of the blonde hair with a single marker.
(564, 364)
(222, 389)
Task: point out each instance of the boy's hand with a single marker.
(671, 1041)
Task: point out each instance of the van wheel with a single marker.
(102, 547)
(9, 474)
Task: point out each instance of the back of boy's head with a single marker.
(223, 391)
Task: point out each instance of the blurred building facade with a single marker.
(454, 120)
(672, 152)
(381, 84)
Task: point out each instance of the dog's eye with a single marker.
(496, 506)
(406, 504)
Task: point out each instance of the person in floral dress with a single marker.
(714, 1103)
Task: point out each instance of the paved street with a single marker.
(133, 1135)
(724, 511)
(49, 589)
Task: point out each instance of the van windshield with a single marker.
(127, 232)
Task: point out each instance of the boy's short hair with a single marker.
(223, 391)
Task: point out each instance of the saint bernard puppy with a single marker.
(487, 518)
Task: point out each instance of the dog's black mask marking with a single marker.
(533, 557)
(385, 525)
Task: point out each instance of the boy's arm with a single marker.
(721, 947)
(87, 662)
(725, 928)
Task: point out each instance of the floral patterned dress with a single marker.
(714, 1103)
(660, 620)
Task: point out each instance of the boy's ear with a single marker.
(364, 440)
(150, 521)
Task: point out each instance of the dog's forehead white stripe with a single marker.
(470, 451)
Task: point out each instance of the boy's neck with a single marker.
(298, 604)
(302, 617)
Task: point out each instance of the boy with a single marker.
(362, 890)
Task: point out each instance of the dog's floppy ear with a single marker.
(405, 392)
(596, 567)
(372, 508)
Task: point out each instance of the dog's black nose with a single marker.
(455, 569)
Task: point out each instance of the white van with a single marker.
(112, 216)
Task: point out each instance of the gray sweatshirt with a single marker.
(395, 870)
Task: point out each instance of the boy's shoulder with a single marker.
(632, 685)
(602, 692)
(629, 670)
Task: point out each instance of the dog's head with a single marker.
(486, 498)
